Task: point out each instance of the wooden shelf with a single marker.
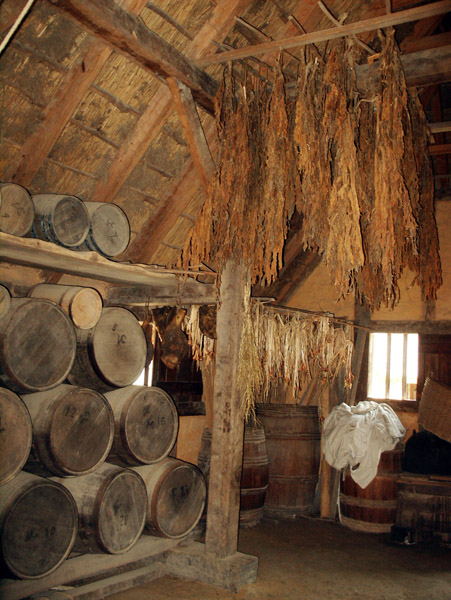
(147, 282)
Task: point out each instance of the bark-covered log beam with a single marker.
(128, 35)
(387, 20)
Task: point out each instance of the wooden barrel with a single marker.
(373, 508)
(16, 209)
(112, 507)
(254, 475)
(82, 304)
(60, 219)
(424, 503)
(176, 492)
(37, 345)
(109, 229)
(15, 435)
(73, 430)
(145, 424)
(5, 301)
(293, 446)
(110, 355)
(38, 525)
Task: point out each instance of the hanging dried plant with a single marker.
(252, 194)
(202, 347)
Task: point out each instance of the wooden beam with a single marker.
(228, 423)
(68, 96)
(405, 16)
(154, 118)
(426, 43)
(44, 255)
(439, 149)
(426, 67)
(192, 129)
(131, 37)
(441, 127)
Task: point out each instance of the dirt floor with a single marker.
(309, 559)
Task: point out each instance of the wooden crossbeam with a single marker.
(192, 129)
(131, 37)
(440, 149)
(387, 20)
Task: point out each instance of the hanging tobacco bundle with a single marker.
(252, 193)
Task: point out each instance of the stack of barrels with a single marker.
(64, 220)
(84, 453)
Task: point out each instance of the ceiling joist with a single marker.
(387, 20)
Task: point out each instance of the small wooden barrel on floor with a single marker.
(38, 525)
(82, 304)
(5, 301)
(373, 508)
(254, 476)
(293, 446)
(16, 209)
(73, 430)
(15, 435)
(60, 219)
(37, 345)
(112, 354)
(424, 503)
(112, 506)
(176, 492)
(145, 424)
(109, 229)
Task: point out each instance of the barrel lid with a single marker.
(39, 529)
(15, 434)
(122, 511)
(181, 500)
(118, 347)
(109, 229)
(86, 308)
(16, 209)
(81, 431)
(38, 345)
(151, 424)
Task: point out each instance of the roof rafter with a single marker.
(130, 36)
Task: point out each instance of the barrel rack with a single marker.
(25, 262)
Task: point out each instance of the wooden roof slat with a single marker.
(58, 112)
(386, 20)
(426, 43)
(131, 37)
(192, 128)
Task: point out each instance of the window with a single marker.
(393, 366)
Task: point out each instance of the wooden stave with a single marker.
(8, 374)
(18, 446)
(124, 452)
(292, 483)
(373, 509)
(68, 298)
(45, 213)
(44, 408)
(90, 493)
(5, 301)
(23, 221)
(155, 477)
(12, 495)
(86, 371)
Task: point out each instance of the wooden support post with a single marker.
(228, 425)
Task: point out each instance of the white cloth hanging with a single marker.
(357, 435)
